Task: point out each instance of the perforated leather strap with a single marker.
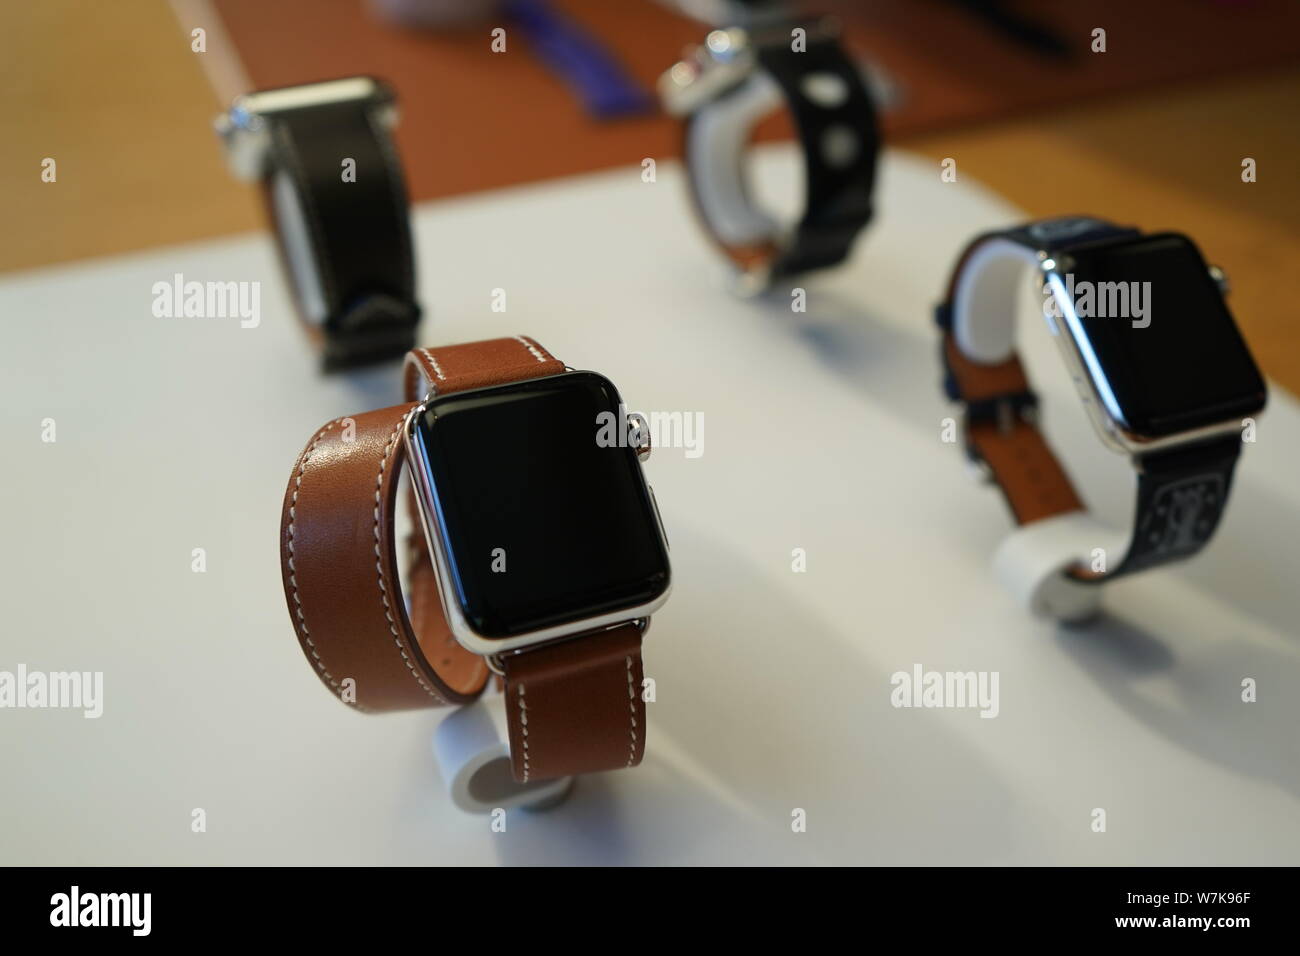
(1181, 493)
(836, 122)
(358, 231)
(573, 706)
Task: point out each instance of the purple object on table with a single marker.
(606, 89)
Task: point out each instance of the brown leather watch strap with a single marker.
(573, 707)
(339, 551)
(1018, 456)
(340, 568)
(576, 706)
(454, 368)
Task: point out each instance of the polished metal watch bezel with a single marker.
(1090, 378)
(461, 629)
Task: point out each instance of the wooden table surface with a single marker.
(113, 93)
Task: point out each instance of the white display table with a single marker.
(773, 687)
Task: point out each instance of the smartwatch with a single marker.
(1155, 355)
(723, 88)
(540, 560)
(334, 187)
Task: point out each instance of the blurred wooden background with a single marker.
(1152, 132)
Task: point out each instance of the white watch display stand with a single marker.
(827, 544)
(1030, 561)
(472, 750)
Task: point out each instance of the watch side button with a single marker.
(1220, 279)
(641, 435)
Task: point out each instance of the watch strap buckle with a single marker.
(1004, 411)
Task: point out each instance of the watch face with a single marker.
(543, 524)
(1157, 338)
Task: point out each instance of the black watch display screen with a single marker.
(1159, 338)
(546, 520)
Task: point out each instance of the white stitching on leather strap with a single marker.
(533, 350)
(300, 619)
(523, 730)
(379, 568)
(631, 706)
(437, 369)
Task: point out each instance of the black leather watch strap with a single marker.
(358, 231)
(840, 146)
(835, 118)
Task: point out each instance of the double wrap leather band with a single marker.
(1182, 492)
(338, 553)
(573, 706)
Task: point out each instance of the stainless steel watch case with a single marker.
(723, 61)
(726, 58)
(1089, 378)
(245, 128)
(461, 629)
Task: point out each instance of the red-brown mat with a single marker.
(473, 119)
